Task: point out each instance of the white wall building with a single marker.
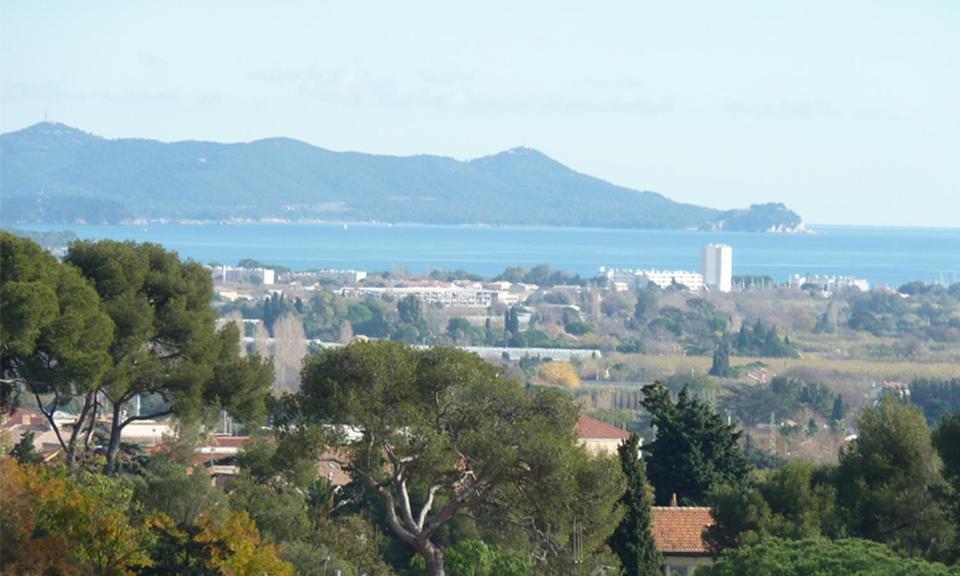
(717, 260)
(661, 278)
(829, 283)
(243, 275)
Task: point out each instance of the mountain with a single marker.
(53, 173)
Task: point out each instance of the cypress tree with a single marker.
(633, 541)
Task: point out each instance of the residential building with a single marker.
(828, 284)
(678, 534)
(243, 275)
(717, 266)
(634, 278)
(599, 438)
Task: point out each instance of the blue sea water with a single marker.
(891, 256)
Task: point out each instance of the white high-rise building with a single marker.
(717, 262)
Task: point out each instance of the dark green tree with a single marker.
(632, 541)
(165, 342)
(443, 433)
(847, 557)
(889, 482)
(54, 336)
(24, 451)
(721, 361)
(512, 322)
(694, 448)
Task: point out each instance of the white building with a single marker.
(717, 267)
(829, 283)
(660, 278)
(450, 295)
(243, 275)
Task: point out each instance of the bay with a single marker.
(891, 256)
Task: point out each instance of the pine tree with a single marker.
(694, 448)
(721, 361)
(633, 541)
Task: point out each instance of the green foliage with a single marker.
(889, 485)
(816, 557)
(632, 541)
(165, 342)
(720, 367)
(24, 451)
(578, 328)
(936, 398)
(541, 275)
(54, 331)
(694, 448)
(444, 419)
(762, 340)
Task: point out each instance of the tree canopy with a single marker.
(694, 448)
(440, 432)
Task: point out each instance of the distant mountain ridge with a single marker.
(53, 173)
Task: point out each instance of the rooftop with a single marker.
(592, 428)
(680, 529)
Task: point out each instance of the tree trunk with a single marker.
(113, 448)
(434, 557)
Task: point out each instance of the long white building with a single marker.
(660, 278)
(717, 265)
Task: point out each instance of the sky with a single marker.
(848, 112)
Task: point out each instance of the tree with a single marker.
(24, 451)
(847, 557)
(794, 501)
(946, 439)
(459, 329)
(512, 322)
(632, 541)
(235, 548)
(889, 483)
(165, 342)
(54, 335)
(443, 432)
(55, 524)
(559, 374)
(694, 448)
(721, 361)
(289, 349)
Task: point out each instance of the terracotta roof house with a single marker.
(17, 423)
(599, 437)
(678, 532)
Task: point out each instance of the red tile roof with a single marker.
(591, 428)
(680, 529)
(22, 417)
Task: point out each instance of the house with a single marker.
(21, 421)
(678, 533)
(599, 437)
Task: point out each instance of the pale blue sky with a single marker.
(847, 111)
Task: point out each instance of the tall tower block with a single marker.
(717, 267)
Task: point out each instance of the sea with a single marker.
(887, 256)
